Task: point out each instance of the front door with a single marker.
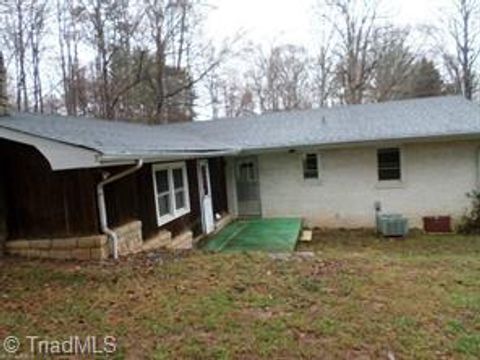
(206, 203)
(248, 187)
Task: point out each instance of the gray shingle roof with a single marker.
(110, 137)
(417, 118)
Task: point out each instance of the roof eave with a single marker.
(119, 159)
(60, 156)
(360, 143)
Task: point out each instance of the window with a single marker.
(171, 191)
(389, 164)
(311, 166)
(246, 172)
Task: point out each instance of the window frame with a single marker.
(392, 182)
(318, 178)
(172, 191)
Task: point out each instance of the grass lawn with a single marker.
(358, 298)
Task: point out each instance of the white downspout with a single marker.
(102, 209)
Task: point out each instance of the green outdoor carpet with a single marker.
(271, 235)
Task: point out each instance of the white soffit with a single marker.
(59, 155)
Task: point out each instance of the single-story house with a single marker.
(87, 188)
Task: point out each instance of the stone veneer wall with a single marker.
(97, 247)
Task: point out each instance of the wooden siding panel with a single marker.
(122, 198)
(147, 210)
(46, 204)
(43, 203)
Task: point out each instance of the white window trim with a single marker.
(314, 181)
(175, 213)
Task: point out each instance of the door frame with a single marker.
(200, 163)
(255, 160)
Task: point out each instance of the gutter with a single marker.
(165, 156)
(102, 209)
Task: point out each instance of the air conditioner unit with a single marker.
(392, 225)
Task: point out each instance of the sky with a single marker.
(277, 22)
(290, 21)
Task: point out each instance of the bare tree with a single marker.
(323, 69)
(356, 27)
(111, 24)
(20, 51)
(323, 72)
(15, 28)
(38, 15)
(323, 76)
(464, 29)
(182, 60)
(213, 86)
(292, 63)
(69, 14)
(280, 78)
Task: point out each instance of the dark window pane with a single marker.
(311, 161)
(204, 175)
(310, 166)
(253, 176)
(246, 172)
(389, 164)
(164, 204)
(179, 200)
(389, 174)
(178, 178)
(162, 181)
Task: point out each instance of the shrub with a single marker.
(470, 223)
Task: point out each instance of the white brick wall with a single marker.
(436, 178)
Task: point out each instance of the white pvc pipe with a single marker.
(102, 209)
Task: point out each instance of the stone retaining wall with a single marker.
(130, 238)
(83, 248)
(161, 240)
(184, 241)
(97, 247)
